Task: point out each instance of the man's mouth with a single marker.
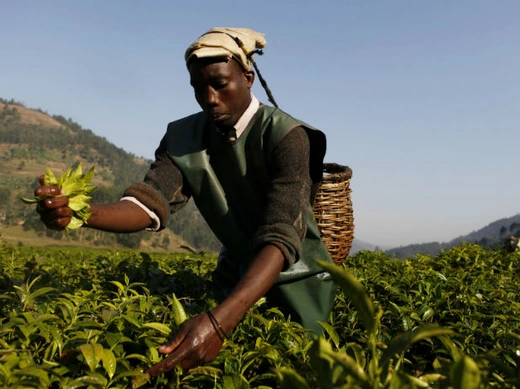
(217, 116)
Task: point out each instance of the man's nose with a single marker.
(211, 97)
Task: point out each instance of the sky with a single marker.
(420, 98)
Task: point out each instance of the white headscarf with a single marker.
(237, 43)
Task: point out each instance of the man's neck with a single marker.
(234, 132)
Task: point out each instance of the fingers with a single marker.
(54, 212)
(55, 202)
(172, 360)
(55, 222)
(54, 207)
(165, 365)
(169, 363)
(58, 224)
(169, 347)
(48, 191)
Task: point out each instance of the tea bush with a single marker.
(76, 318)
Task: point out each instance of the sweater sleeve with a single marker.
(162, 190)
(285, 215)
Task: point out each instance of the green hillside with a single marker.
(491, 236)
(32, 140)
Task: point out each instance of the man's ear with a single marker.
(250, 78)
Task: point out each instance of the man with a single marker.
(252, 170)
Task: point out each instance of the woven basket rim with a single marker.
(337, 172)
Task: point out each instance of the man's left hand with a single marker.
(195, 343)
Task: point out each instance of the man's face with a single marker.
(222, 89)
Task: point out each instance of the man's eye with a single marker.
(198, 89)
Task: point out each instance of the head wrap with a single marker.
(237, 43)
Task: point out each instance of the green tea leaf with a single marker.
(33, 371)
(85, 381)
(206, 370)
(290, 379)
(139, 380)
(132, 320)
(178, 312)
(93, 353)
(235, 381)
(162, 328)
(29, 201)
(139, 357)
(357, 352)
(402, 342)
(49, 178)
(331, 332)
(323, 359)
(88, 176)
(79, 202)
(109, 362)
(356, 292)
(403, 380)
(119, 286)
(40, 292)
(84, 213)
(465, 374)
(74, 223)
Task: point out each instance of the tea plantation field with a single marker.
(93, 318)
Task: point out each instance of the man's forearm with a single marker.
(256, 282)
(122, 216)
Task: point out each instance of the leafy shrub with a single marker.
(72, 318)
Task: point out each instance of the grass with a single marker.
(18, 236)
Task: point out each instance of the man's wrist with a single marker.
(216, 325)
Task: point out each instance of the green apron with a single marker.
(228, 182)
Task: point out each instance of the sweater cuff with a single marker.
(151, 199)
(156, 223)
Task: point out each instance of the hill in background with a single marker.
(32, 140)
(493, 235)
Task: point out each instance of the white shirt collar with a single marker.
(246, 117)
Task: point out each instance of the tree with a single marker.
(514, 228)
(132, 241)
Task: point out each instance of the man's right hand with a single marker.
(53, 209)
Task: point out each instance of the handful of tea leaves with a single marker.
(77, 188)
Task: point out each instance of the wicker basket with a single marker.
(333, 211)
